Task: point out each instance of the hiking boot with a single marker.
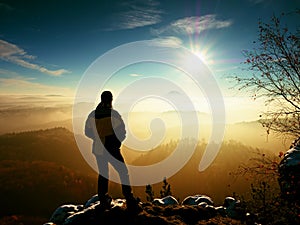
(105, 201)
(133, 205)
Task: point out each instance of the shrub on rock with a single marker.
(289, 173)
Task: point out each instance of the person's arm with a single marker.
(88, 129)
(118, 126)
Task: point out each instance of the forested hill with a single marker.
(40, 170)
(52, 145)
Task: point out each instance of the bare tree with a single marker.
(274, 63)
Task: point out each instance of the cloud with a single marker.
(135, 75)
(137, 13)
(14, 54)
(8, 73)
(21, 85)
(193, 25)
(169, 41)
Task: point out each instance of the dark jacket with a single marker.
(107, 124)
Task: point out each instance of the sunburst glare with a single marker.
(202, 51)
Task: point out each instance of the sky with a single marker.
(47, 46)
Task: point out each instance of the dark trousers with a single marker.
(103, 161)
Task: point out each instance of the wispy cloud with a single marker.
(135, 75)
(22, 85)
(168, 41)
(193, 25)
(9, 73)
(14, 54)
(137, 13)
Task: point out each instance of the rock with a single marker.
(205, 199)
(211, 210)
(197, 199)
(221, 210)
(63, 212)
(190, 200)
(190, 214)
(203, 204)
(152, 220)
(158, 201)
(168, 200)
(230, 202)
(118, 203)
(289, 173)
(91, 201)
(165, 211)
(84, 216)
(232, 208)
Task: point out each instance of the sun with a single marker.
(201, 55)
(202, 51)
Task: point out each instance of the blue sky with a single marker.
(46, 46)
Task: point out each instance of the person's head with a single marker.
(106, 98)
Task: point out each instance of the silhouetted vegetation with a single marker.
(275, 77)
(149, 192)
(275, 66)
(166, 189)
(265, 199)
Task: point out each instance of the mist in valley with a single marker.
(40, 137)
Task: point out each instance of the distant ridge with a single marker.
(41, 169)
(52, 145)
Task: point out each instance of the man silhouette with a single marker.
(105, 125)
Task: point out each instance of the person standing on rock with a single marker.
(105, 125)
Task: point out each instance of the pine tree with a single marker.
(150, 193)
(166, 189)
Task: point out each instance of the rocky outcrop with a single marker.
(168, 200)
(289, 173)
(159, 212)
(197, 200)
